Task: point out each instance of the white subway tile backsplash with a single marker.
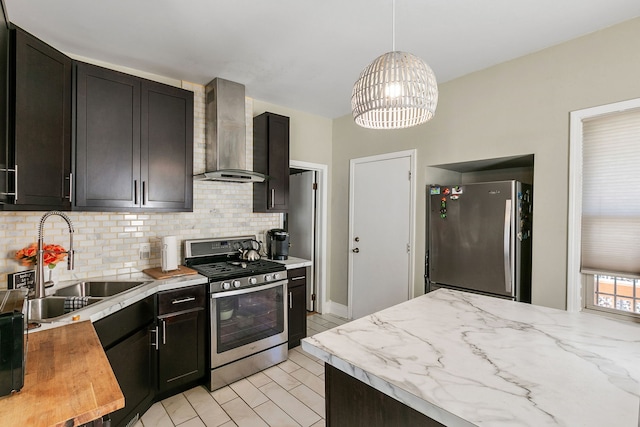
(108, 243)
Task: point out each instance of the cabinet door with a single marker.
(297, 290)
(181, 357)
(271, 157)
(131, 361)
(166, 147)
(108, 138)
(40, 130)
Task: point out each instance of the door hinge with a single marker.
(409, 175)
(408, 248)
(313, 297)
(315, 186)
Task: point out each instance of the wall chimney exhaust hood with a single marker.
(225, 127)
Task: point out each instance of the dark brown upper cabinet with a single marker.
(271, 157)
(134, 143)
(36, 159)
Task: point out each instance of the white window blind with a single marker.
(611, 194)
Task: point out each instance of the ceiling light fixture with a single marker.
(397, 90)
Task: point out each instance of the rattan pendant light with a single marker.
(397, 90)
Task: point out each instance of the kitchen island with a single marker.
(462, 359)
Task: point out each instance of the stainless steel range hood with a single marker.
(226, 142)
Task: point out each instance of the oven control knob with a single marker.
(253, 280)
(236, 283)
(226, 285)
(267, 277)
(276, 276)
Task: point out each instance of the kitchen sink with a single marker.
(97, 289)
(49, 308)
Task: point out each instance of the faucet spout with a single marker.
(39, 286)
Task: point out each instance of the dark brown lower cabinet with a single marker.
(350, 402)
(182, 321)
(297, 314)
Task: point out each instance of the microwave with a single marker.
(13, 339)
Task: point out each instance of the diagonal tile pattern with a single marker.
(288, 394)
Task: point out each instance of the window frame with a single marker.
(579, 285)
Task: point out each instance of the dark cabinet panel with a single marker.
(134, 143)
(126, 338)
(167, 147)
(271, 157)
(38, 151)
(107, 138)
(181, 349)
(297, 315)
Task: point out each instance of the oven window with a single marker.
(246, 318)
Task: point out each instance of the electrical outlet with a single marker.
(145, 250)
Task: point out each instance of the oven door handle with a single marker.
(248, 290)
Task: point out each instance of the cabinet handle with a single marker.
(154, 341)
(70, 186)
(15, 183)
(273, 198)
(298, 278)
(144, 192)
(135, 191)
(164, 332)
(290, 300)
(180, 301)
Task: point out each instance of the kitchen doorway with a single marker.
(306, 223)
(382, 197)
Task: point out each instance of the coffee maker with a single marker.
(278, 244)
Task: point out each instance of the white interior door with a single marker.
(301, 224)
(381, 232)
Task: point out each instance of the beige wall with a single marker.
(515, 108)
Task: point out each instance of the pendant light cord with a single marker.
(393, 26)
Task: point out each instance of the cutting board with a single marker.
(157, 272)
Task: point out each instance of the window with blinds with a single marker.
(610, 232)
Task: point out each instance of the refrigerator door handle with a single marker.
(507, 245)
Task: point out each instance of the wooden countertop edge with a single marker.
(68, 380)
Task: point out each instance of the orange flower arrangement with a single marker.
(53, 254)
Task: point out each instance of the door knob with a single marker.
(355, 250)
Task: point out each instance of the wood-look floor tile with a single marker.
(292, 406)
(193, 422)
(275, 416)
(259, 379)
(179, 408)
(242, 414)
(223, 395)
(306, 362)
(288, 365)
(156, 416)
(310, 398)
(249, 393)
(320, 423)
(314, 382)
(281, 377)
(206, 406)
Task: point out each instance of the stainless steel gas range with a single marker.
(248, 313)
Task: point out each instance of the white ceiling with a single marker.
(305, 54)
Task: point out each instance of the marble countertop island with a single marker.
(464, 359)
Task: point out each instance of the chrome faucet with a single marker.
(39, 291)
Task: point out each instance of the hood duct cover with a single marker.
(226, 141)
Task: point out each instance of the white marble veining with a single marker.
(293, 262)
(99, 310)
(465, 359)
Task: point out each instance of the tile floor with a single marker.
(288, 394)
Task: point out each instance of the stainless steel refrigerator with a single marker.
(479, 238)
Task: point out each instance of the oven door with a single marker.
(247, 321)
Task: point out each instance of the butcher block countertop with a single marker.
(68, 380)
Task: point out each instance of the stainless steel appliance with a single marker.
(248, 313)
(13, 339)
(479, 238)
(278, 244)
